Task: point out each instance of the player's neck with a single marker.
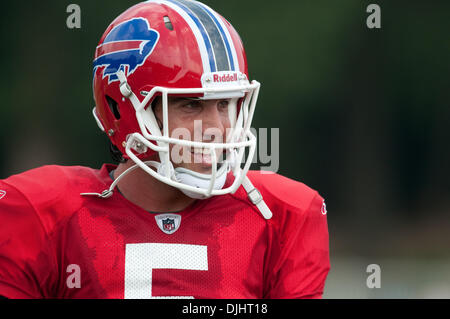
(148, 193)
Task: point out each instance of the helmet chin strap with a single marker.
(197, 180)
(179, 174)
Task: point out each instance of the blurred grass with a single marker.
(400, 278)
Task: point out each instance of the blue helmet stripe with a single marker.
(206, 39)
(224, 37)
(217, 38)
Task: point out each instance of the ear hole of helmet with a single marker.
(113, 106)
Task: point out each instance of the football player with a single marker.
(181, 216)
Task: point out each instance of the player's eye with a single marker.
(191, 105)
(223, 104)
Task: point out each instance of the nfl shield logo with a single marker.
(168, 223)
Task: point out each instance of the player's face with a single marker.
(196, 120)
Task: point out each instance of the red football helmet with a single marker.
(165, 48)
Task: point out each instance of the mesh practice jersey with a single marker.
(55, 243)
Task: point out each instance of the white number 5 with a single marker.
(141, 259)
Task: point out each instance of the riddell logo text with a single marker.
(225, 78)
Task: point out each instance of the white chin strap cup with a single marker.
(199, 180)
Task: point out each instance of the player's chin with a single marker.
(202, 168)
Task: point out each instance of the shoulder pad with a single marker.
(279, 190)
(53, 186)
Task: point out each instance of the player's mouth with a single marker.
(203, 155)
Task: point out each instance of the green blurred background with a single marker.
(363, 117)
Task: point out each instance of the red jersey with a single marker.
(55, 243)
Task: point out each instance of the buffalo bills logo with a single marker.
(126, 47)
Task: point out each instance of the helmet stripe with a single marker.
(195, 30)
(213, 37)
(219, 44)
(225, 36)
(204, 33)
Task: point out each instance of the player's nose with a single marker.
(214, 122)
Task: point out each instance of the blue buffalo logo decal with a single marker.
(126, 47)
